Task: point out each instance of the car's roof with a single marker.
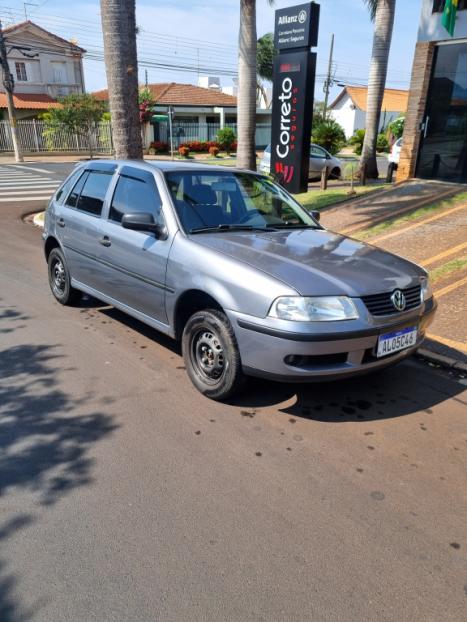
(162, 165)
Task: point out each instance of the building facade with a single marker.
(44, 67)
(349, 108)
(435, 134)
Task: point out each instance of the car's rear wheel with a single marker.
(211, 354)
(59, 279)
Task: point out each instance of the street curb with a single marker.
(440, 359)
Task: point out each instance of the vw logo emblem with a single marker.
(302, 17)
(398, 300)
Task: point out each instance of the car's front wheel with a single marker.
(59, 279)
(211, 354)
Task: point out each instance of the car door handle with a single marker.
(61, 222)
(105, 241)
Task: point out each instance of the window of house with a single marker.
(21, 75)
(59, 72)
(92, 195)
(135, 195)
(438, 5)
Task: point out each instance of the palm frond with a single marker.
(372, 5)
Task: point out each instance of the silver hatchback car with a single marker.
(319, 159)
(230, 264)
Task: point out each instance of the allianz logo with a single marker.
(292, 19)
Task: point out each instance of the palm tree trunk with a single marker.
(246, 99)
(384, 21)
(121, 64)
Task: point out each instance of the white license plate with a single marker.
(399, 340)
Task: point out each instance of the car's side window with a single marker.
(73, 197)
(316, 152)
(91, 199)
(133, 194)
(65, 188)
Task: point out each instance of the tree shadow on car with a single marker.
(394, 392)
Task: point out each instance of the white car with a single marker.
(319, 159)
(395, 152)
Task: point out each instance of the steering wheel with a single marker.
(249, 216)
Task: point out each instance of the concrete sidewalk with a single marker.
(369, 210)
(435, 239)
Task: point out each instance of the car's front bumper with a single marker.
(271, 352)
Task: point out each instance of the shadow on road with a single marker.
(386, 394)
(44, 442)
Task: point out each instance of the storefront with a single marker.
(435, 135)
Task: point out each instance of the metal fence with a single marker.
(188, 132)
(37, 136)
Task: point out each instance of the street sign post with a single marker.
(296, 30)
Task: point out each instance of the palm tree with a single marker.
(382, 14)
(121, 65)
(246, 98)
(265, 62)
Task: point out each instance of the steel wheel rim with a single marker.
(58, 276)
(207, 355)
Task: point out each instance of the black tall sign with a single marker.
(293, 87)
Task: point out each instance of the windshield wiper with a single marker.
(227, 227)
(292, 225)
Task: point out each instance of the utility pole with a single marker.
(328, 82)
(9, 84)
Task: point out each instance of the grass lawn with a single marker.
(395, 222)
(447, 268)
(317, 199)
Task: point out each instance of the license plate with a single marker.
(399, 340)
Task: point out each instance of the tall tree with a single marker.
(246, 98)
(264, 63)
(382, 13)
(121, 65)
(247, 83)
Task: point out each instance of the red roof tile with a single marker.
(30, 101)
(171, 93)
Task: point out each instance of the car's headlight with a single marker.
(427, 291)
(314, 309)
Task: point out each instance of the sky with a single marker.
(181, 39)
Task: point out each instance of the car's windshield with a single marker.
(217, 200)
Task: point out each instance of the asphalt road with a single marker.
(127, 496)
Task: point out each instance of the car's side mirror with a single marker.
(315, 214)
(143, 221)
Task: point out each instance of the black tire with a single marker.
(59, 279)
(211, 355)
(335, 173)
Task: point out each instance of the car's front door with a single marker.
(135, 261)
(317, 160)
(78, 221)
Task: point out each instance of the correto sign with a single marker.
(292, 98)
(291, 122)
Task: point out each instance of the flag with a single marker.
(449, 16)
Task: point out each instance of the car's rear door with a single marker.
(79, 220)
(135, 261)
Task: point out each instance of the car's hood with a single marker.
(316, 262)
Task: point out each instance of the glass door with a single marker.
(443, 148)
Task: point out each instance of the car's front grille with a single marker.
(381, 304)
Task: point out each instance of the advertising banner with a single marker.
(292, 113)
(296, 30)
(297, 27)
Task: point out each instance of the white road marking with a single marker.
(22, 185)
(29, 168)
(14, 199)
